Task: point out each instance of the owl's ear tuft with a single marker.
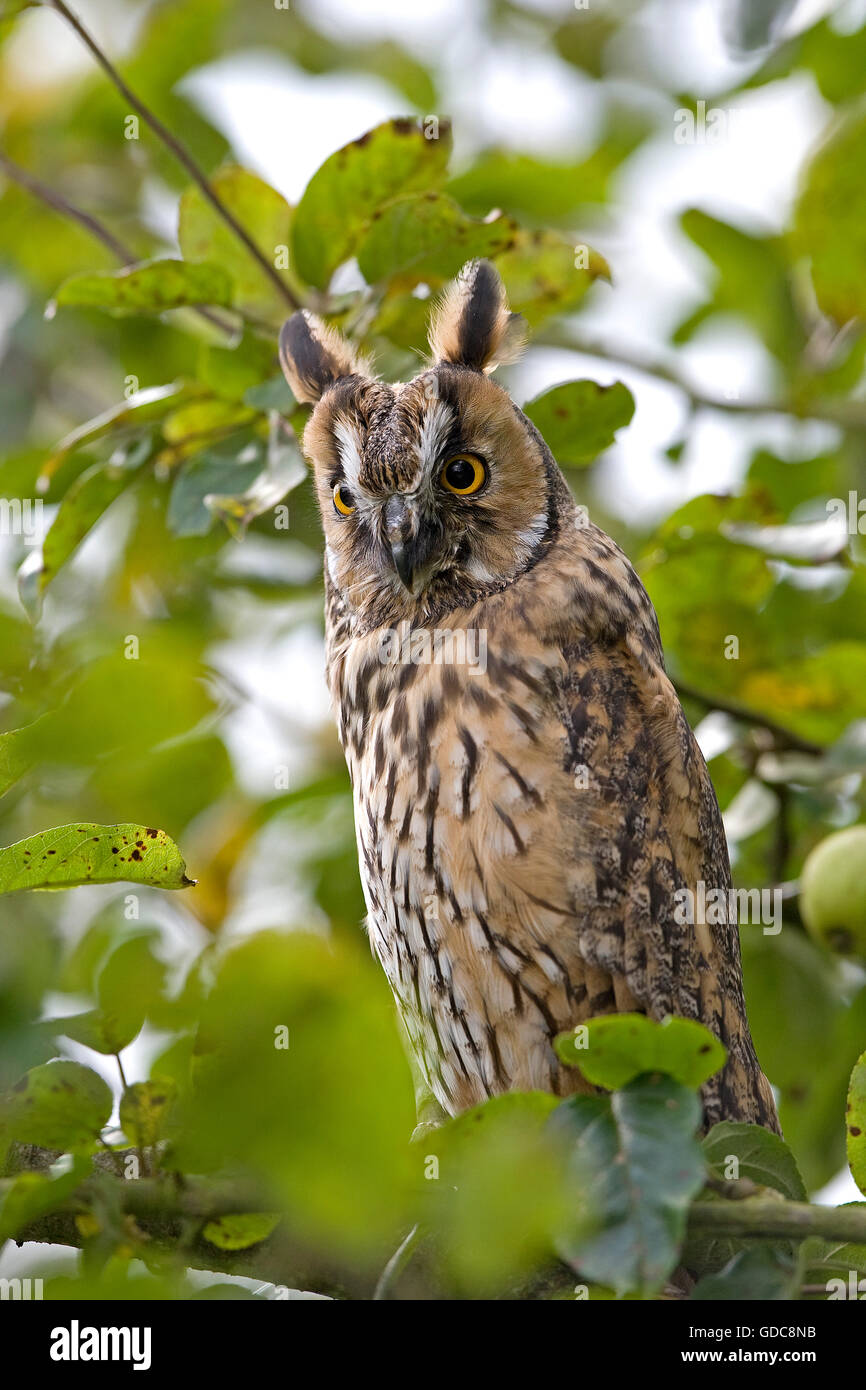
(472, 325)
(314, 357)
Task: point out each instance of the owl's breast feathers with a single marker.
(526, 816)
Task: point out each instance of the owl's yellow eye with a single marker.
(344, 502)
(463, 474)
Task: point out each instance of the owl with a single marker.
(530, 803)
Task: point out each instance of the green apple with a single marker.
(833, 891)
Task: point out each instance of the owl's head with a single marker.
(435, 492)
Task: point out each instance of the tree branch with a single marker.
(164, 1207)
(760, 1217)
(784, 738)
(91, 224)
(845, 414)
(179, 151)
(162, 1210)
(60, 204)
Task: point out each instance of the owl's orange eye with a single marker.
(463, 474)
(344, 502)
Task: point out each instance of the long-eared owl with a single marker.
(530, 801)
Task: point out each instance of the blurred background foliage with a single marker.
(160, 629)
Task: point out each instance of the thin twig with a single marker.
(91, 224)
(60, 204)
(844, 414)
(784, 738)
(180, 152)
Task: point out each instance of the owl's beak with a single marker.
(401, 556)
(401, 528)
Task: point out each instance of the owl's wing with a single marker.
(645, 825)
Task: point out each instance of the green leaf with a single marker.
(84, 504)
(836, 59)
(210, 474)
(615, 1048)
(817, 695)
(637, 1165)
(96, 1029)
(240, 1231)
(139, 409)
(540, 189)
(856, 1123)
(734, 1150)
(760, 1155)
(327, 1119)
(284, 470)
(427, 237)
(17, 754)
(830, 219)
(148, 288)
(761, 1274)
(545, 274)
(752, 280)
(144, 1111)
(69, 855)
(579, 419)
(497, 1194)
(231, 371)
(273, 394)
(60, 1105)
(196, 419)
(132, 982)
(789, 976)
(532, 1106)
(823, 1257)
(261, 211)
(394, 158)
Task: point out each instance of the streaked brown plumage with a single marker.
(522, 829)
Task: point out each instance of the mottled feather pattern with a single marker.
(523, 825)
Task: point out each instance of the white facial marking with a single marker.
(350, 450)
(331, 562)
(435, 428)
(534, 532)
(479, 570)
